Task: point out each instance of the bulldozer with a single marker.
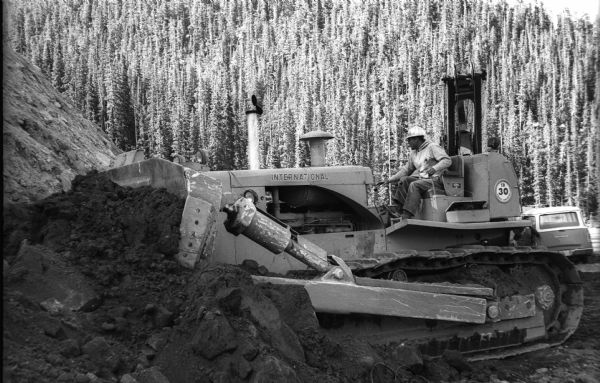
(450, 278)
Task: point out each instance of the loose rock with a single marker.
(586, 378)
(242, 368)
(273, 370)
(150, 375)
(53, 306)
(52, 327)
(156, 341)
(70, 348)
(127, 378)
(213, 337)
(101, 353)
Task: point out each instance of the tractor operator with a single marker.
(421, 174)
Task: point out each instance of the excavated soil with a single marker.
(92, 293)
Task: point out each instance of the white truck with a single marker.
(562, 229)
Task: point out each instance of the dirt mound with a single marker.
(95, 262)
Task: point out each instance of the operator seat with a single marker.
(454, 178)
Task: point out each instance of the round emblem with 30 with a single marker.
(503, 191)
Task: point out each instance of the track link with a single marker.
(526, 264)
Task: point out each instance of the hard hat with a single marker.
(415, 131)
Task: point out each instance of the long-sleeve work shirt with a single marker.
(429, 155)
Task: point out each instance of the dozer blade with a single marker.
(328, 296)
(202, 196)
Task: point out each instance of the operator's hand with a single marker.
(430, 171)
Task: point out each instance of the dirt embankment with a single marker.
(46, 141)
(92, 293)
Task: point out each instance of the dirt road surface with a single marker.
(577, 360)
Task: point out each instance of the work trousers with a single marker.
(411, 190)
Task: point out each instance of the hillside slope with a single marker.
(46, 141)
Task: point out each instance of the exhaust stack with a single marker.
(252, 118)
(317, 140)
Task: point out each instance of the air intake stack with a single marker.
(317, 142)
(252, 117)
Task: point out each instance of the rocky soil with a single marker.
(92, 293)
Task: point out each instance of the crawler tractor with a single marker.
(448, 279)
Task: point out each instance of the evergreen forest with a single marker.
(173, 76)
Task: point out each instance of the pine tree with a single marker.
(92, 99)
(46, 58)
(19, 33)
(221, 128)
(120, 118)
(58, 69)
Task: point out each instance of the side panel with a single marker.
(565, 239)
(490, 177)
(477, 181)
(433, 238)
(234, 250)
(351, 245)
(348, 246)
(434, 208)
(502, 173)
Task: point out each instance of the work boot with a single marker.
(406, 215)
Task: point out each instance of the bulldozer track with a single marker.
(560, 320)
